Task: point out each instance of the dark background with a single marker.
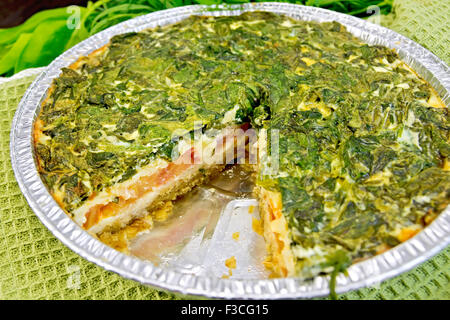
(14, 12)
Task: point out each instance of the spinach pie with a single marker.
(353, 146)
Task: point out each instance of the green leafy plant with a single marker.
(46, 34)
(34, 43)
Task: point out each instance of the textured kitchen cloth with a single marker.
(424, 21)
(36, 265)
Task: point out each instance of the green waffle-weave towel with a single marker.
(36, 265)
(424, 21)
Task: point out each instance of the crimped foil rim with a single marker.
(403, 257)
(22, 74)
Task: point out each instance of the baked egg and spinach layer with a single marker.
(362, 142)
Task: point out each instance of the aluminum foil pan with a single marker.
(391, 263)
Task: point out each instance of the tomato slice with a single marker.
(142, 186)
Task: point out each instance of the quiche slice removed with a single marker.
(352, 144)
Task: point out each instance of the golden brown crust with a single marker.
(276, 233)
